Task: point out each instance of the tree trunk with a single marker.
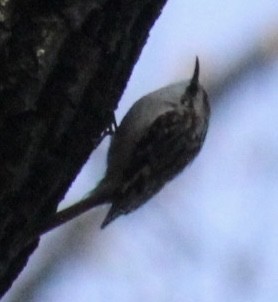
(64, 66)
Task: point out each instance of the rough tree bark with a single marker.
(64, 65)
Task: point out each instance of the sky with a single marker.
(211, 234)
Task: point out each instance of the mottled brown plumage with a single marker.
(160, 150)
(159, 136)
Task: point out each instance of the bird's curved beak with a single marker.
(192, 88)
(195, 78)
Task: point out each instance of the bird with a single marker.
(158, 137)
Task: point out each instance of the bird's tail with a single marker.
(112, 214)
(100, 195)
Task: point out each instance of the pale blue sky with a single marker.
(210, 235)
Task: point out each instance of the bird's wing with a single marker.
(165, 149)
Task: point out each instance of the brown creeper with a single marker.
(158, 137)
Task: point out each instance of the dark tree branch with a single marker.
(64, 66)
